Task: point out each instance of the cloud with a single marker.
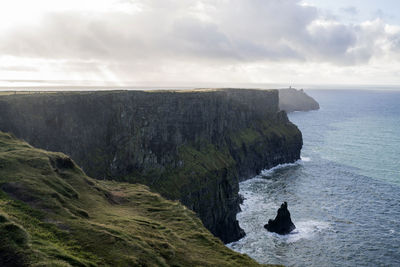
(350, 10)
(17, 68)
(148, 36)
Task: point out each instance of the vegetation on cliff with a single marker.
(52, 214)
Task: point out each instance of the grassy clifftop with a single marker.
(52, 214)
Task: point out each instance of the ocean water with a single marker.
(344, 195)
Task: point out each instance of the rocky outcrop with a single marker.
(296, 100)
(193, 146)
(282, 224)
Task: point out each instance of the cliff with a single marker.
(52, 214)
(192, 146)
(296, 100)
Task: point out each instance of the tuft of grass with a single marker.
(52, 214)
(14, 246)
(15, 234)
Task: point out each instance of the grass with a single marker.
(52, 214)
(201, 166)
(264, 129)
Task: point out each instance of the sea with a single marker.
(344, 193)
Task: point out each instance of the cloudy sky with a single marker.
(167, 42)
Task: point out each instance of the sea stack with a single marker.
(282, 224)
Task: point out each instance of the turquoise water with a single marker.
(344, 195)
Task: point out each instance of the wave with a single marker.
(270, 172)
(305, 159)
(267, 173)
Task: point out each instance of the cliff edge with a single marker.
(192, 146)
(296, 100)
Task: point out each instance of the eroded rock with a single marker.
(282, 224)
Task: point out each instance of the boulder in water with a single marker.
(282, 224)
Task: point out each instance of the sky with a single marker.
(197, 42)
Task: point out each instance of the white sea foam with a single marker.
(304, 230)
(269, 172)
(305, 159)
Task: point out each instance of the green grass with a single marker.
(199, 168)
(264, 129)
(52, 214)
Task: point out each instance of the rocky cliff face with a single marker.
(296, 100)
(193, 146)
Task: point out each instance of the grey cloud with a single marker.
(395, 42)
(331, 43)
(200, 38)
(216, 31)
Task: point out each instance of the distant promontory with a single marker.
(296, 100)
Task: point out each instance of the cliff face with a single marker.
(296, 100)
(192, 146)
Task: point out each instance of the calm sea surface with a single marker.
(344, 195)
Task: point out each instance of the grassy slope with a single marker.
(52, 214)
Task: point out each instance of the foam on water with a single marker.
(305, 159)
(269, 172)
(304, 230)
